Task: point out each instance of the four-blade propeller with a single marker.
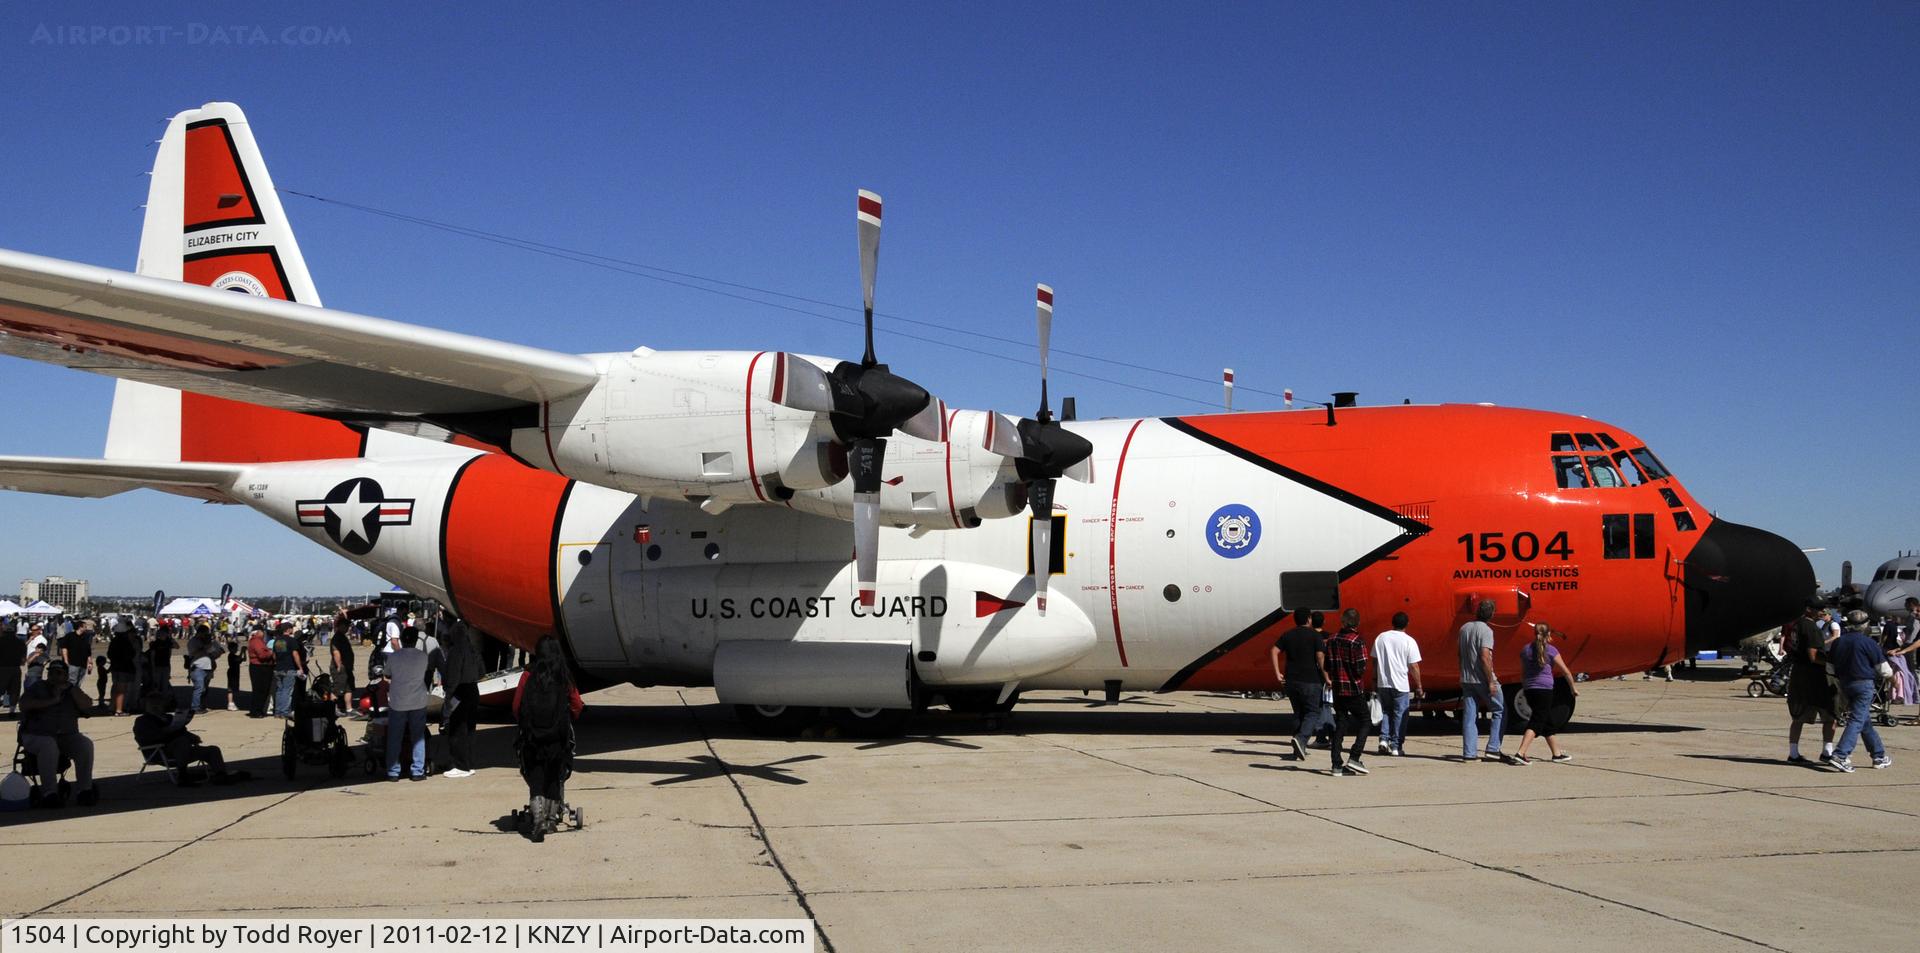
(867, 403)
(1043, 451)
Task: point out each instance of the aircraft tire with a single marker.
(775, 721)
(977, 701)
(870, 722)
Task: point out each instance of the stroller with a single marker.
(313, 735)
(373, 707)
(1773, 682)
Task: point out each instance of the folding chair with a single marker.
(155, 756)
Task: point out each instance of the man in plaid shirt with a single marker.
(1347, 674)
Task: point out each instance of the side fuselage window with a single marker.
(1650, 463)
(1604, 474)
(1569, 474)
(1629, 469)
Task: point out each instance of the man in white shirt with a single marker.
(1396, 682)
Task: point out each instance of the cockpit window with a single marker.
(1650, 463)
(1611, 443)
(1604, 474)
(1628, 468)
(1588, 441)
(1569, 474)
(1562, 441)
(1909, 573)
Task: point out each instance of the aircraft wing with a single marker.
(265, 351)
(97, 478)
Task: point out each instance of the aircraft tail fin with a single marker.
(213, 218)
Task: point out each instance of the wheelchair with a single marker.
(313, 734)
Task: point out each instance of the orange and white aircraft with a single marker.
(681, 517)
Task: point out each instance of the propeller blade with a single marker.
(800, 384)
(1043, 308)
(866, 547)
(930, 423)
(868, 457)
(1002, 436)
(1040, 507)
(867, 213)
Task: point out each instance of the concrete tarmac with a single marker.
(1163, 822)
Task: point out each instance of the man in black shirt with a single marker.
(13, 654)
(341, 648)
(122, 648)
(77, 648)
(161, 723)
(50, 726)
(1299, 662)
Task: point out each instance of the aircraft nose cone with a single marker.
(1888, 597)
(1739, 581)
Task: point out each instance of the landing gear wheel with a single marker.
(1755, 690)
(774, 721)
(870, 722)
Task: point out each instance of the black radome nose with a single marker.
(1740, 581)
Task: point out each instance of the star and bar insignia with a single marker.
(353, 512)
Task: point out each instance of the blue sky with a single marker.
(1698, 222)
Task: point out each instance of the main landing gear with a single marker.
(787, 721)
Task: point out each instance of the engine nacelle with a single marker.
(703, 425)
(697, 424)
(952, 485)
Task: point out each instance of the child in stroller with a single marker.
(313, 735)
(373, 707)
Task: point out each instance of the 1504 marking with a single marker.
(1524, 547)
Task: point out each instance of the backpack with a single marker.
(546, 718)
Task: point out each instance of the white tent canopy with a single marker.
(185, 605)
(9, 607)
(40, 607)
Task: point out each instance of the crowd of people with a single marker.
(1836, 669)
(1339, 687)
(1338, 684)
(415, 669)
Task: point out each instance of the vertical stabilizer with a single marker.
(213, 218)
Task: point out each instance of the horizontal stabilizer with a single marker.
(96, 478)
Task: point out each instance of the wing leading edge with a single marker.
(266, 351)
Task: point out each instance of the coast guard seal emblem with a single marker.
(1233, 530)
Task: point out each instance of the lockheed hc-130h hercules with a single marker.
(681, 517)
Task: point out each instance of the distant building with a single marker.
(58, 590)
